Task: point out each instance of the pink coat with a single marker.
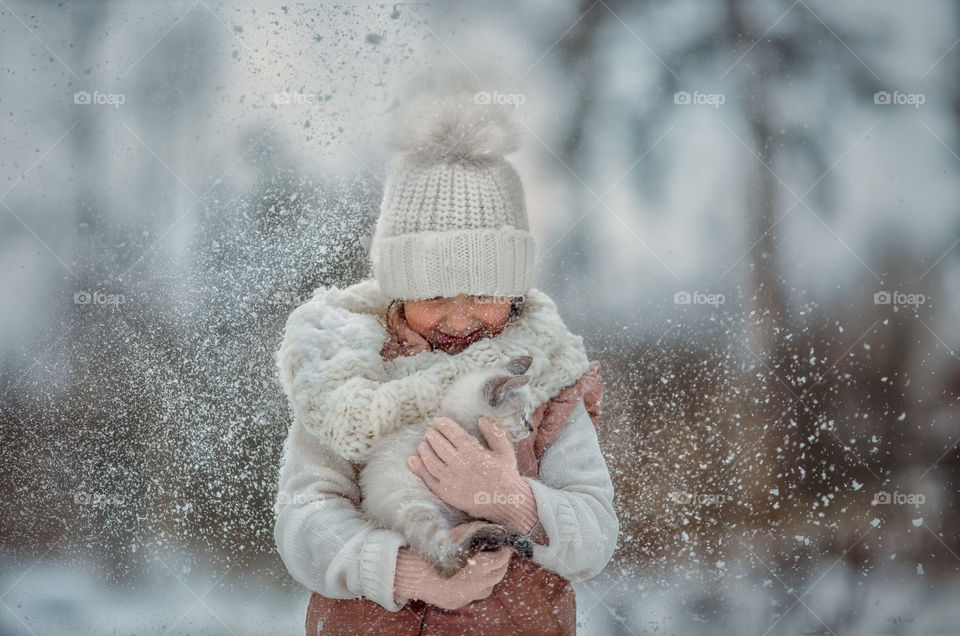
(529, 599)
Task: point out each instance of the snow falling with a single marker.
(747, 209)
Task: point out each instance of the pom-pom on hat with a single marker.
(453, 218)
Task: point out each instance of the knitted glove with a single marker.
(417, 578)
(401, 339)
(485, 484)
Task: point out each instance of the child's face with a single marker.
(451, 324)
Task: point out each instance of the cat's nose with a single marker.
(530, 427)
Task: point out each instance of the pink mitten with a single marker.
(485, 484)
(417, 578)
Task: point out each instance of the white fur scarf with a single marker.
(343, 391)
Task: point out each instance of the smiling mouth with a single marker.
(457, 339)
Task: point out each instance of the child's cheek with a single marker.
(422, 322)
(494, 316)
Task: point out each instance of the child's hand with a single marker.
(417, 578)
(482, 483)
(402, 340)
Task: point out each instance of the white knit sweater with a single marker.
(331, 548)
(344, 392)
(345, 396)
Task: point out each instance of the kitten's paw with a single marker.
(483, 537)
(470, 538)
(486, 538)
(521, 544)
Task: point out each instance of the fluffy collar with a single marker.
(343, 391)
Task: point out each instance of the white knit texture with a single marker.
(453, 218)
(343, 391)
(329, 546)
(430, 264)
(420, 197)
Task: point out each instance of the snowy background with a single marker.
(749, 210)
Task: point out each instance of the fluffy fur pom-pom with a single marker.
(451, 121)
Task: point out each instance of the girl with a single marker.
(452, 258)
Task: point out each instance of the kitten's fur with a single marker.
(396, 498)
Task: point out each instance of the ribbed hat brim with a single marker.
(423, 265)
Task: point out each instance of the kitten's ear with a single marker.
(519, 365)
(500, 389)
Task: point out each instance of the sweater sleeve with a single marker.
(574, 496)
(323, 538)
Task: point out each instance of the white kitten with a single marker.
(396, 498)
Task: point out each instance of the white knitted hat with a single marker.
(453, 219)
